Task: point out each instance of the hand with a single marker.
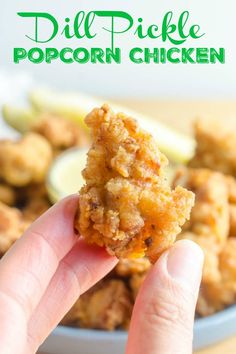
(42, 275)
(163, 315)
(49, 267)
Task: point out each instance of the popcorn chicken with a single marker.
(108, 305)
(214, 297)
(7, 194)
(60, 133)
(136, 282)
(217, 295)
(25, 161)
(210, 214)
(216, 146)
(126, 205)
(35, 208)
(12, 226)
(227, 261)
(232, 213)
(231, 184)
(128, 267)
(211, 250)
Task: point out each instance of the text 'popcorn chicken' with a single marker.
(126, 204)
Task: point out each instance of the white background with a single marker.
(217, 20)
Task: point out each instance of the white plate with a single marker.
(65, 340)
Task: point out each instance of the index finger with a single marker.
(26, 270)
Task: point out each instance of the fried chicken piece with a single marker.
(211, 250)
(34, 191)
(107, 306)
(35, 208)
(33, 201)
(217, 295)
(231, 184)
(214, 297)
(210, 214)
(135, 270)
(232, 213)
(60, 133)
(12, 226)
(227, 261)
(209, 227)
(126, 204)
(135, 282)
(7, 194)
(25, 161)
(216, 146)
(128, 267)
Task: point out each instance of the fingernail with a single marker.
(184, 263)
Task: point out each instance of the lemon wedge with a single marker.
(64, 176)
(19, 118)
(177, 146)
(69, 105)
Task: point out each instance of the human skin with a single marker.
(50, 266)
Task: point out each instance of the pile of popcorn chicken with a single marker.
(210, 175)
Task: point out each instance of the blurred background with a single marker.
(216, 18)
(172, 94)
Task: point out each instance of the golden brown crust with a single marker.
(128, 267)
(211, 250)
(216, 146)
(231, 184)
(25, 161)
(232, 214)
(210, 214)
(209, 227)
(107, 306)
(7, 194)
(126, 205)
(217, 295)
(61, 133)
(12, 225)
(35, 208)
(135, 282)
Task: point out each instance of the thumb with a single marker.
(163, 315)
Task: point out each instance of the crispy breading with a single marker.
(61, 133)
(12, 226)
(214, 297)
(217, 295)
(35, 208)
(227, 261)
(25, 161)
(216, 146)
(7, 194)
(211, 250)
(231, 184)
(210, 214)
(126, 204)
(232, 213)
(128, 267)
(135, 282)
(108, 305)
